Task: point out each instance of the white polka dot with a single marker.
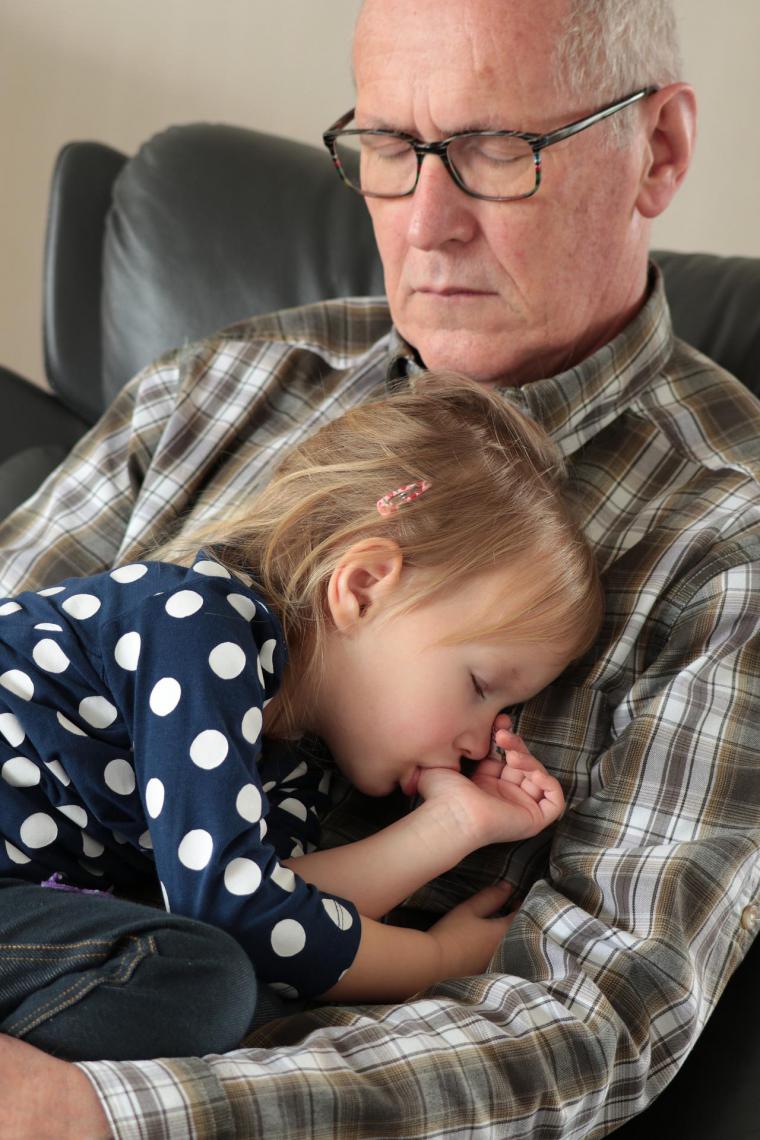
(56, 769)
(50, 626)
(75, 813)
(246, 607)
(342, 917)
(119, 776)
(211, 569)
(15, 855)
(127, 651)
(266, 654)
(195, 850)
(242, 877)
(299, 771)
(259, 672)
(69, 725)
(154, 798)
(209, 748)
(9, 608)
(122, 839)
(50, 591)
(164, 896)
(296, 850)
(269, 785)
(288, 938)
(145, 840)
(81, 606)
(284, 877)
(20, 772)
(10, 726)
(97, 711)
(91, 847)
(183, 604)
(294, 807)
(324, 784)
(227, 660)
(251, 726)
(248, 803)
(18, 683)
(38, 830)
(49, 656)
(165, 696)
(131, 573)
(263, 829)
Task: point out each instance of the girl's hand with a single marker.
(512, 771)
(470, 933)
(506, 799)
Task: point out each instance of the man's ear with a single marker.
(366, 574)
(671, 117)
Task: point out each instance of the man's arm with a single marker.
(76, 522)
(42, 1098)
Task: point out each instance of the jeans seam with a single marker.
(33, 951)
(141, 946)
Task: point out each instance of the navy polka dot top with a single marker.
(131, 747)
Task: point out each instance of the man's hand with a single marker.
(43, 1098)
(505, 800)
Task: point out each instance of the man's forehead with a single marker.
(460, 63)
(518, 24)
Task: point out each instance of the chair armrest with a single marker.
(32, 416)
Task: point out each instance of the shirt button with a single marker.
(750, 917)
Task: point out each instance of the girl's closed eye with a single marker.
(478, 686)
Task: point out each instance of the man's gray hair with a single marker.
(613, 47)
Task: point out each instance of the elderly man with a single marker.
(521, 260)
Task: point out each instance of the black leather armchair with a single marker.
(208, 224)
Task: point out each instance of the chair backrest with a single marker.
(209, 223)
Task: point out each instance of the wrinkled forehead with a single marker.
(455, 64)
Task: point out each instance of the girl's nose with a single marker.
(475, 742)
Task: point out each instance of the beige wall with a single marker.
(118, 70)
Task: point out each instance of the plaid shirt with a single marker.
(642, 901)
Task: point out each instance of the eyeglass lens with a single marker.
(494, 166)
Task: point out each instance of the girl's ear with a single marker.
(366, 574)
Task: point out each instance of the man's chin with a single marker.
(478, 355)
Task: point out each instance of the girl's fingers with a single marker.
(486, 902)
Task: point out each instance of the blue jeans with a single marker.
(91, 977)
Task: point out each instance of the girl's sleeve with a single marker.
(191, 674)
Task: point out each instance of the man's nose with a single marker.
(438, 210)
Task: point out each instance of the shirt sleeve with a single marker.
(191, 687)
(606, 977)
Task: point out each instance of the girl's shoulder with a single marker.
(140, 592)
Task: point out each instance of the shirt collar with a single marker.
(577, 404)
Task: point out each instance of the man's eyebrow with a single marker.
(377, 124)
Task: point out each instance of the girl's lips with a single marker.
(409, 785)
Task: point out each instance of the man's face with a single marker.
(501, 291)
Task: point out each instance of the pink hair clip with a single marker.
(400, 497)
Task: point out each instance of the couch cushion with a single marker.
(715, 302)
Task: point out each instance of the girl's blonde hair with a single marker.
(498, 498)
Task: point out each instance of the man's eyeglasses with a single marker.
(498, 166)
